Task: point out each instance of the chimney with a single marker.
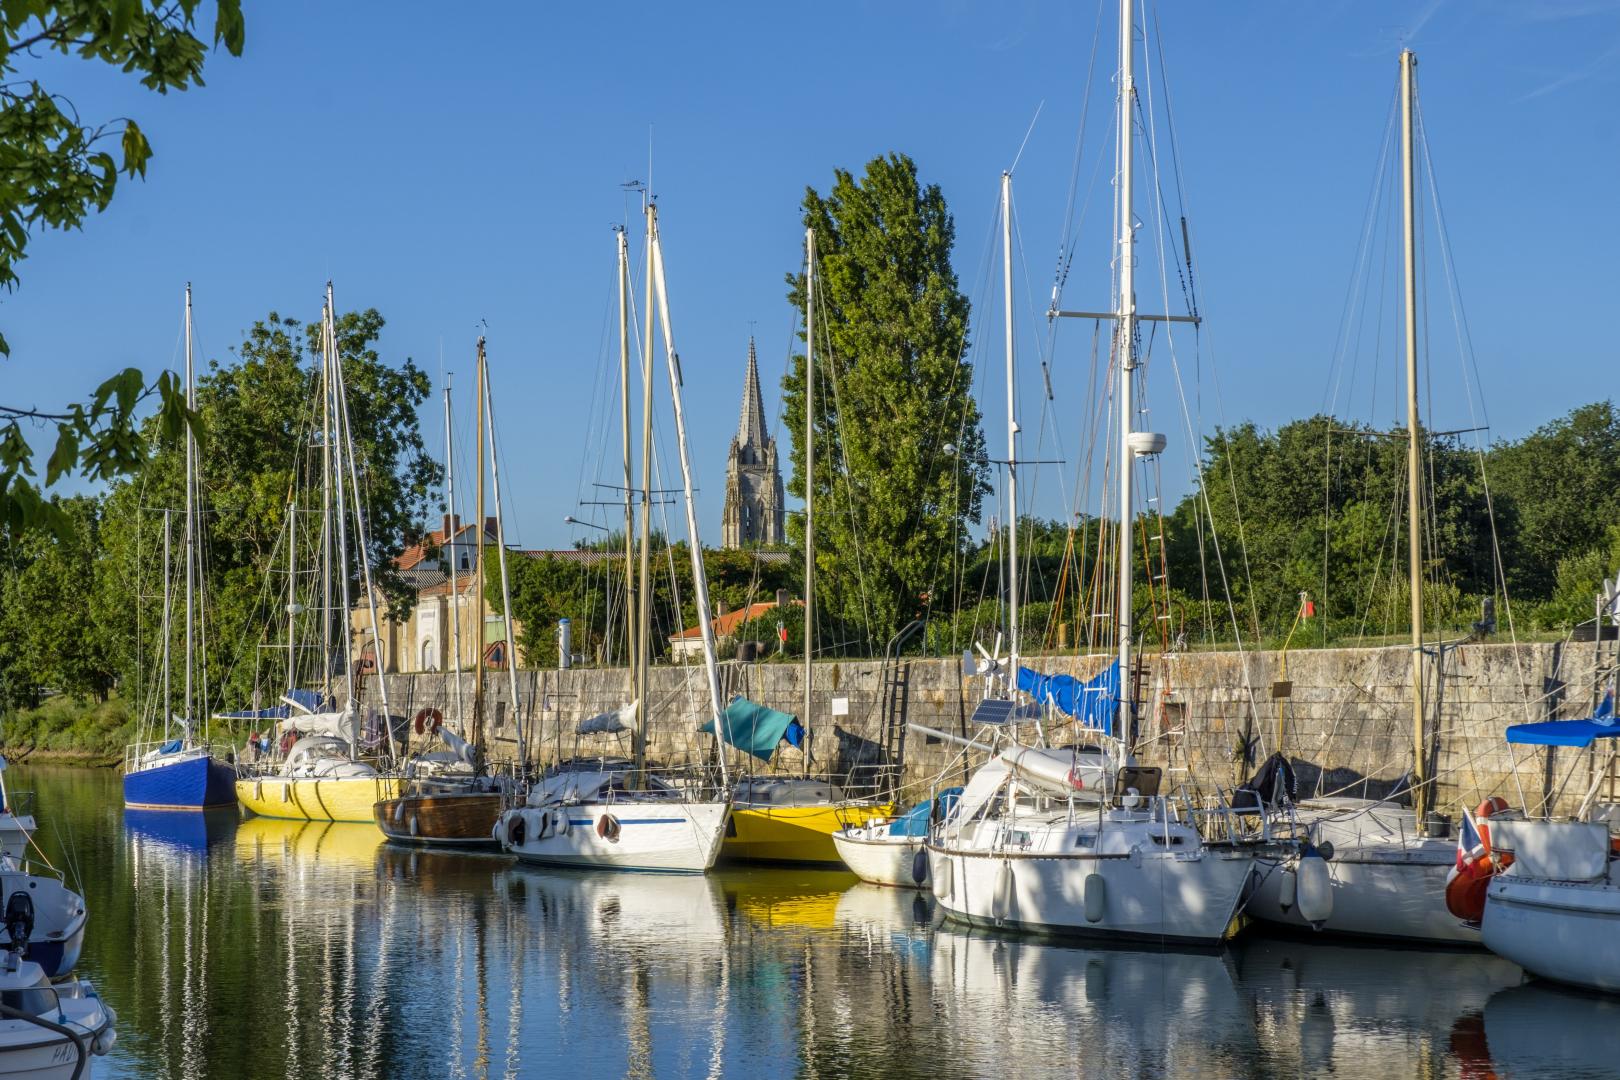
(447, 533)
(489, 527)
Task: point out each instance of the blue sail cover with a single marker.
(914, 822)
(757, 729)
(309, 699)
(1094, 703)
(1600, 725)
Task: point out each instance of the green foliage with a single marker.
(55, 171)
(900, 462)
(47, 637)
(1580, 578)
(1563, 481)
(70, 726)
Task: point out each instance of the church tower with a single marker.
(754, 509)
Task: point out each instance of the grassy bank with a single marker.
(69, 730)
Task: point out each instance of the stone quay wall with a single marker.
(1342, 716)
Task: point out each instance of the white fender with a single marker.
(258, 790)
(399, 811)
(944, 878)
(1002, 907)
(413, 823)
(1095, 897)
(1287, 888)
(1315, 890)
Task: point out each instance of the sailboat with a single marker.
(1078, 840)
(791, 819)
(1388, 876)
(459, 807)
(612, 814)
(312, 768)
(179, 771)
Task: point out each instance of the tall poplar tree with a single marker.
(900, 469)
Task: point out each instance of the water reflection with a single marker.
(306, 949)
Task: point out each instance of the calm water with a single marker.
(271, 949)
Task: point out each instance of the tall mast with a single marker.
(809, 473)
(500, 554)
(478, 531)
(638, 745)
(700, 580)
(450, 530)
(1125, 329)
(292, 588)
(326, 500)
(168, 626)
(1012, 426)
(644, 606)
(1414, 474)
(191, 521)
(341, 564)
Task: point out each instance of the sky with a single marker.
(461, 170)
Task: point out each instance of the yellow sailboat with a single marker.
(317, 798)
(788, 819)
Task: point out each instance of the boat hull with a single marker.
(1388, 894)
(453, 819)
(192, 783)
(1166, 897)
(675, 837)
(308, 798)
(794, 834)
(1565, 931)
(884, 859)
(59, 921)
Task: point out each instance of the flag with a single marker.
(1470, 844)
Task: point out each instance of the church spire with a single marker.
(751, 428)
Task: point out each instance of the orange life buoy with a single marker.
(607, 827)
(428, 721)
(1465, 888)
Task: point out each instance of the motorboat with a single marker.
(16, 823)
(50, 1030)
(56, 916)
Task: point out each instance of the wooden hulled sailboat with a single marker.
(791, 819)
(310, 766)
(460, 808)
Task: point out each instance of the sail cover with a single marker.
(757, 729)
(1600, 725)
(915, 822)
(310, 700)
(1093, 703)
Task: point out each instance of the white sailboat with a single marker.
(1388, 877)
(1078, 841)
(615, 815)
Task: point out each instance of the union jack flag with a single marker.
(1469, 842)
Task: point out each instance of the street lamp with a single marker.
(572, 520)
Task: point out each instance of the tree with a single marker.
(48, 636)
(56, 169)
(1563, 482)
(900, 462)
(259, 418)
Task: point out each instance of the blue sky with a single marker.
(453, 169)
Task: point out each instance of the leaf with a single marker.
(66, 455)
(137, 151)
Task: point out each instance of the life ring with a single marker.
(607, 827)
(428, 721)
(1466, 885)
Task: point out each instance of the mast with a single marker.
(500, 554)
(326, 501)
(1125, 329)
(644, 606)
(168, 626)
(450, 529)
(638, 747)
(350, 705)
(191, 524)
(809, 473)
(292, 588)
(1414, 473)
(1012, 426)
(478, 571)
(700, 580)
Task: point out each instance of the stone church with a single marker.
(754, 510)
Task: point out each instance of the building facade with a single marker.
(754, 512)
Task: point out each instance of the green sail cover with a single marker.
(752, 727)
